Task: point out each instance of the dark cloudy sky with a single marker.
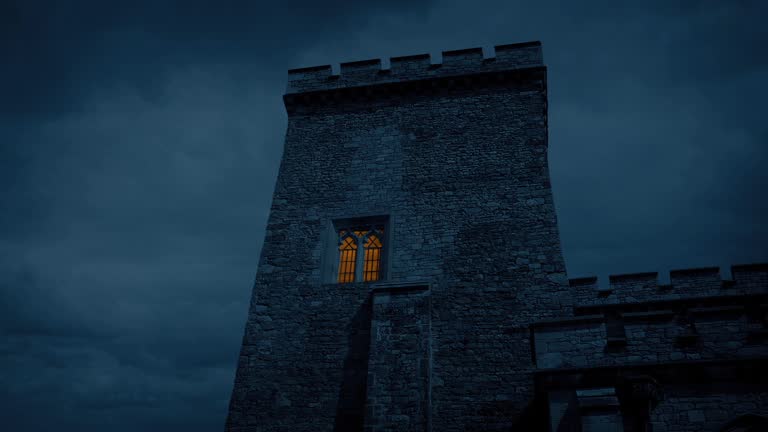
(140, 141)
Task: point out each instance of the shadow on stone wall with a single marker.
(350, 409)
(533, 417)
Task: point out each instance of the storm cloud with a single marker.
(139, 146)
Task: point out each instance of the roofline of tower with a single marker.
(365, 73)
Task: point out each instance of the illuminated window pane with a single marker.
(360, 267)
(347, 258)
(372, 263)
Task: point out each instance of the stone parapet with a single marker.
(685, 283)
(414, 67)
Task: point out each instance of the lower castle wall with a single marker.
(693, 410)
(697, 407)
(687, 283)
(706, 355)
(585, 344)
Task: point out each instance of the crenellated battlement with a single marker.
(635, 320)
(684, 283)
(414, 67)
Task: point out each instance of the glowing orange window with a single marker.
(347, 258)
(372, 263)
(367, 265)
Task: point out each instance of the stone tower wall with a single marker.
(456, 156)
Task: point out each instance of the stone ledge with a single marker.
(398, 287)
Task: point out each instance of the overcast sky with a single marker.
(139, 147)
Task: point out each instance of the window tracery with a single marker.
(365, 266)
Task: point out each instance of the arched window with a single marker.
(372, 258)
(365, 266)
(347, 256)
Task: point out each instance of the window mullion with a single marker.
(360, 259)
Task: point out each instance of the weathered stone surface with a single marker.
(398, 392)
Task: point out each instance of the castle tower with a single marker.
(411, 241)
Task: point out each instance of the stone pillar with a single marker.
(398, 394)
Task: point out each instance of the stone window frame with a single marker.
(330, 261)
